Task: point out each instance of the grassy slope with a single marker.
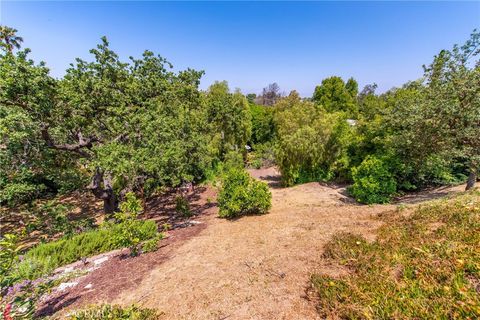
(425, 265)
(45, 257)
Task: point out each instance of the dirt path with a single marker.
(256, 267)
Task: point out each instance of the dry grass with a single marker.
(425, 265)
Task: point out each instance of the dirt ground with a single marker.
(254, 267)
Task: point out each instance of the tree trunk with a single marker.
(110, 204)
(472, 178)
(102, 188)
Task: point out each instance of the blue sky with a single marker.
(251, 44)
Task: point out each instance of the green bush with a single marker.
(107, 311)
(16, 193)
(182, 206)
(9, 249)
(241, 194)
(373, 183)
(262, 124)
(129, 234)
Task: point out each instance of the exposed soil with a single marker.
(255, 267)
(122, 272)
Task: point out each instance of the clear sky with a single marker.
(251, 44)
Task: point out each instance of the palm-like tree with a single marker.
(9, 38)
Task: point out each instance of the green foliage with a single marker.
(438, 118)
(9, 250)
(45, 257)
(352, 87)
(151, 245)
(262, 124)
(233, 159)
(311, 143)
(9, 39)
(241, 194)
(229, 117)
(262, 155)
(424, 266)
(251, 97)
(14, 193)
(125, 123)
(130, 231)
(373, 183)
(51, 218)
(107, 311)
(334, 95)
(18, 299)
(138, 125)
(28, 168)
(182, 206)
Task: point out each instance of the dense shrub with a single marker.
(241, 194)
(233, 159)
(373, 183)
(107, 311)
(229, 119)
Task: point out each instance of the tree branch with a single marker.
(76, 147)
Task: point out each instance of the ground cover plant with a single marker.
(424, 265)
(24, 275)
(46, 257)
(126, 231)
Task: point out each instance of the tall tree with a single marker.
(334, 95)
(440, 116)
(129, 125)
(251, 97)
(229, 116)
(9, 39)
(453, 102)
(311, 143)
(352, 87)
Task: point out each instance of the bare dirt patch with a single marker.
(255, 267)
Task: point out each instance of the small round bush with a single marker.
(241, 194)
(373, 182)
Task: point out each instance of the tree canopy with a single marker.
(115, 126)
